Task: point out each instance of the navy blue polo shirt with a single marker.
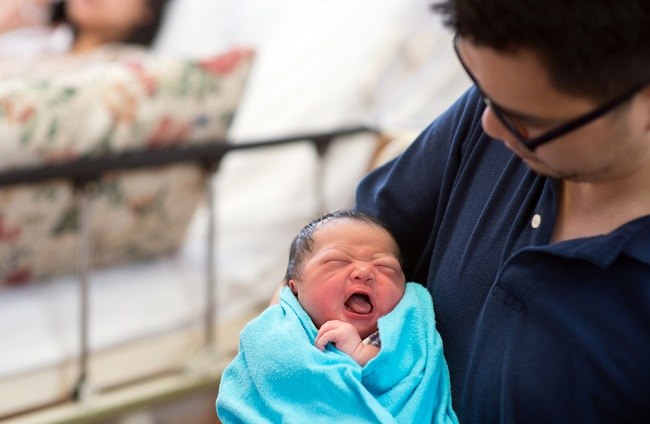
(532, 331)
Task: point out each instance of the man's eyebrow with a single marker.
(519, 116)
(503, 110)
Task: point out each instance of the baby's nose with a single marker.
(363, 273)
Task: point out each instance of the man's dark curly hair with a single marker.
(592, 48)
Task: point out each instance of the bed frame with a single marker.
(84, 173)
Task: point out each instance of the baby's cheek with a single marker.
(319, 315)
(390, 300)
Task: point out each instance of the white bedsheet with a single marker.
(40, 322)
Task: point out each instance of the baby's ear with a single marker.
(292, 285)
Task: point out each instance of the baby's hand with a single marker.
(346, 339)
(342, 334)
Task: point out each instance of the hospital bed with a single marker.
(319, 96)
(90, 375)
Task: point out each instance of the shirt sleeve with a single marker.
(373, 340)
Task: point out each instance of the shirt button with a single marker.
(536, 221)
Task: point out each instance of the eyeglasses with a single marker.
(514, 126)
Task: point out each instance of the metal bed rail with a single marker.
(84, 172)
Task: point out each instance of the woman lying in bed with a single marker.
(73, 32)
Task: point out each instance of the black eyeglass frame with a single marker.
(533, 143)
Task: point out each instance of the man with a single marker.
(525, 209)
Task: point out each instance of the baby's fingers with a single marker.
(327, 333)
(322, 340)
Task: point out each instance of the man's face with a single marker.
(353, 276)
(610, 147)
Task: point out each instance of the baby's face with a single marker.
(353, 276)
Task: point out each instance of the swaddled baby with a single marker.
(350, 339)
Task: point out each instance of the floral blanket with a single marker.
(100, 109)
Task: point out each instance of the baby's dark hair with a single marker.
(303, 244)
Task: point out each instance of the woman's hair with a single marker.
(593, 48)
(144, 34)
(57, 14)
(303, 244)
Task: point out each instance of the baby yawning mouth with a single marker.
(359, 303)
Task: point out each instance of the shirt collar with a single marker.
(632, 239)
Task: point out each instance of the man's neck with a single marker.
(594, 208)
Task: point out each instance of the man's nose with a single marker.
(492, 126)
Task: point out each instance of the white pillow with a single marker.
(194, 27)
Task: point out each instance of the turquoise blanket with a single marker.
(279, 376)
